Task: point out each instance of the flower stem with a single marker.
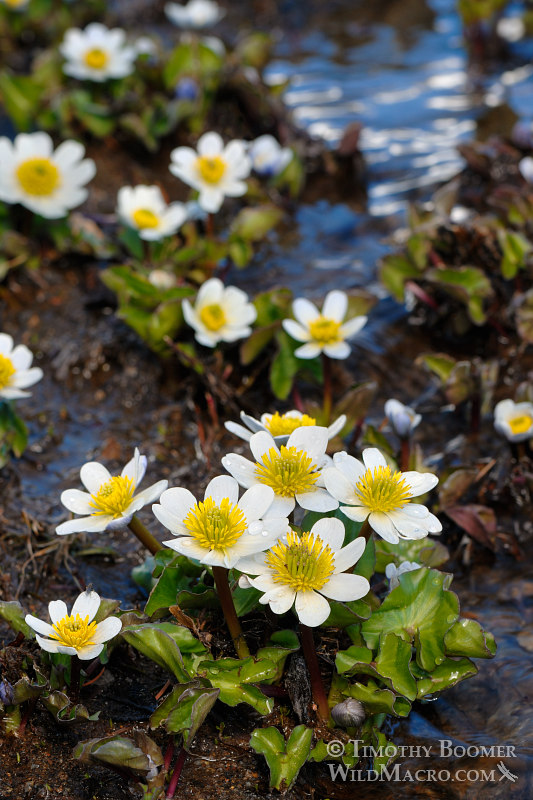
(326, 365)
(366, 530)
(144, 536)
(405, 454)
(220, 574)
(173, 785)
(75, 676)
(210, 226)
(317, 687)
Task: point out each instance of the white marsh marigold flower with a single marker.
(280, 426)
(111, 502)
(144, 209)
(221, 529)
(403, 419)
(97, 53)
(15, 372)
(306, 570)
(293, 471)
(75, 634)
(514, 420)
(323, 331)
(195, 15)
(47, 182)
(372, 490)
(220, 313)
(215, 171)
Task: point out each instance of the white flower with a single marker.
(268, 156)
(75, 634)
(323, 331)
(403, 419)
(526, 168)
(47, 182)
(214, 171)
(293, 471)
(144, 209)
(111, 502)
(162, 279)
(514, 420)
(97, 53)
(305, 570)
(221, 529)
(196, 14)
(280, 426)
(15, 372)
(372, 490)
(220, 313)
(393, 572)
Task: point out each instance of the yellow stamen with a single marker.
(381, 490)
(38, 176)
(520, 424)
(74, 631)
(292, 472)
(281, 424)
(213, 316)
(211, 168)
(144, 218)
(113, 497)
(304, 563)
(325, 330)
(216, 527)
(96, 58)
(7, 370)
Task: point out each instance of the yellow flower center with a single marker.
(211, 168)
(113, 497)
(74, 631)
(382, 490)
(213, 316)
(96, 58)
(216, 527)
(281, 424)
(144, 218)
(304, 563)
(14, 3)
(7, 370)
(325, 330)
(289, 473)
(38, 176)
(521, 424)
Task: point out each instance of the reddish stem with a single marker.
(173, 785)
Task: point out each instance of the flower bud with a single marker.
(348, 714)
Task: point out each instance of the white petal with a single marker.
(305, 311)
(337, 426)
(420, 482)
(352, 327)
(350, 555)
(312, 608)
(338, 486)
(93, 524)
(242, 470)
(210, 144)
(52, 646)
(107, 629)
(407, 527)
(357, 513)
(77, 501)
(223, 487)
(384, 527)
(57, 610)
(261, 443)
(281, 600)
(373, 458)
(346, 587)
(331, 531)
(89, 652)
(335, 305)
(93, 475)
(135, 468)
(256, 501)
(86, 605)
(6, 344)
(149, 495)
(312, 439)
(252, 423)
(309, 350)
(238, 430)
(21, 357)
(338, 350)
(318, 500)
(39, 625)
(295, 330)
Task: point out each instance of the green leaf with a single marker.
(12, 612)
(235, 679)
(468, 284)
(439, 363)
(280, 646)
(138, 756)
(256, 342)
(394, 272)
(284, 758)
(421, 611)
(447, 674)
(284, 367)
(61, 708)
(21, 95)
(253, 224)
(185, 709)
(173, 577)
(426, 552)
(158, 646)
(393, 662)
(377, 700)
(467, 638)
